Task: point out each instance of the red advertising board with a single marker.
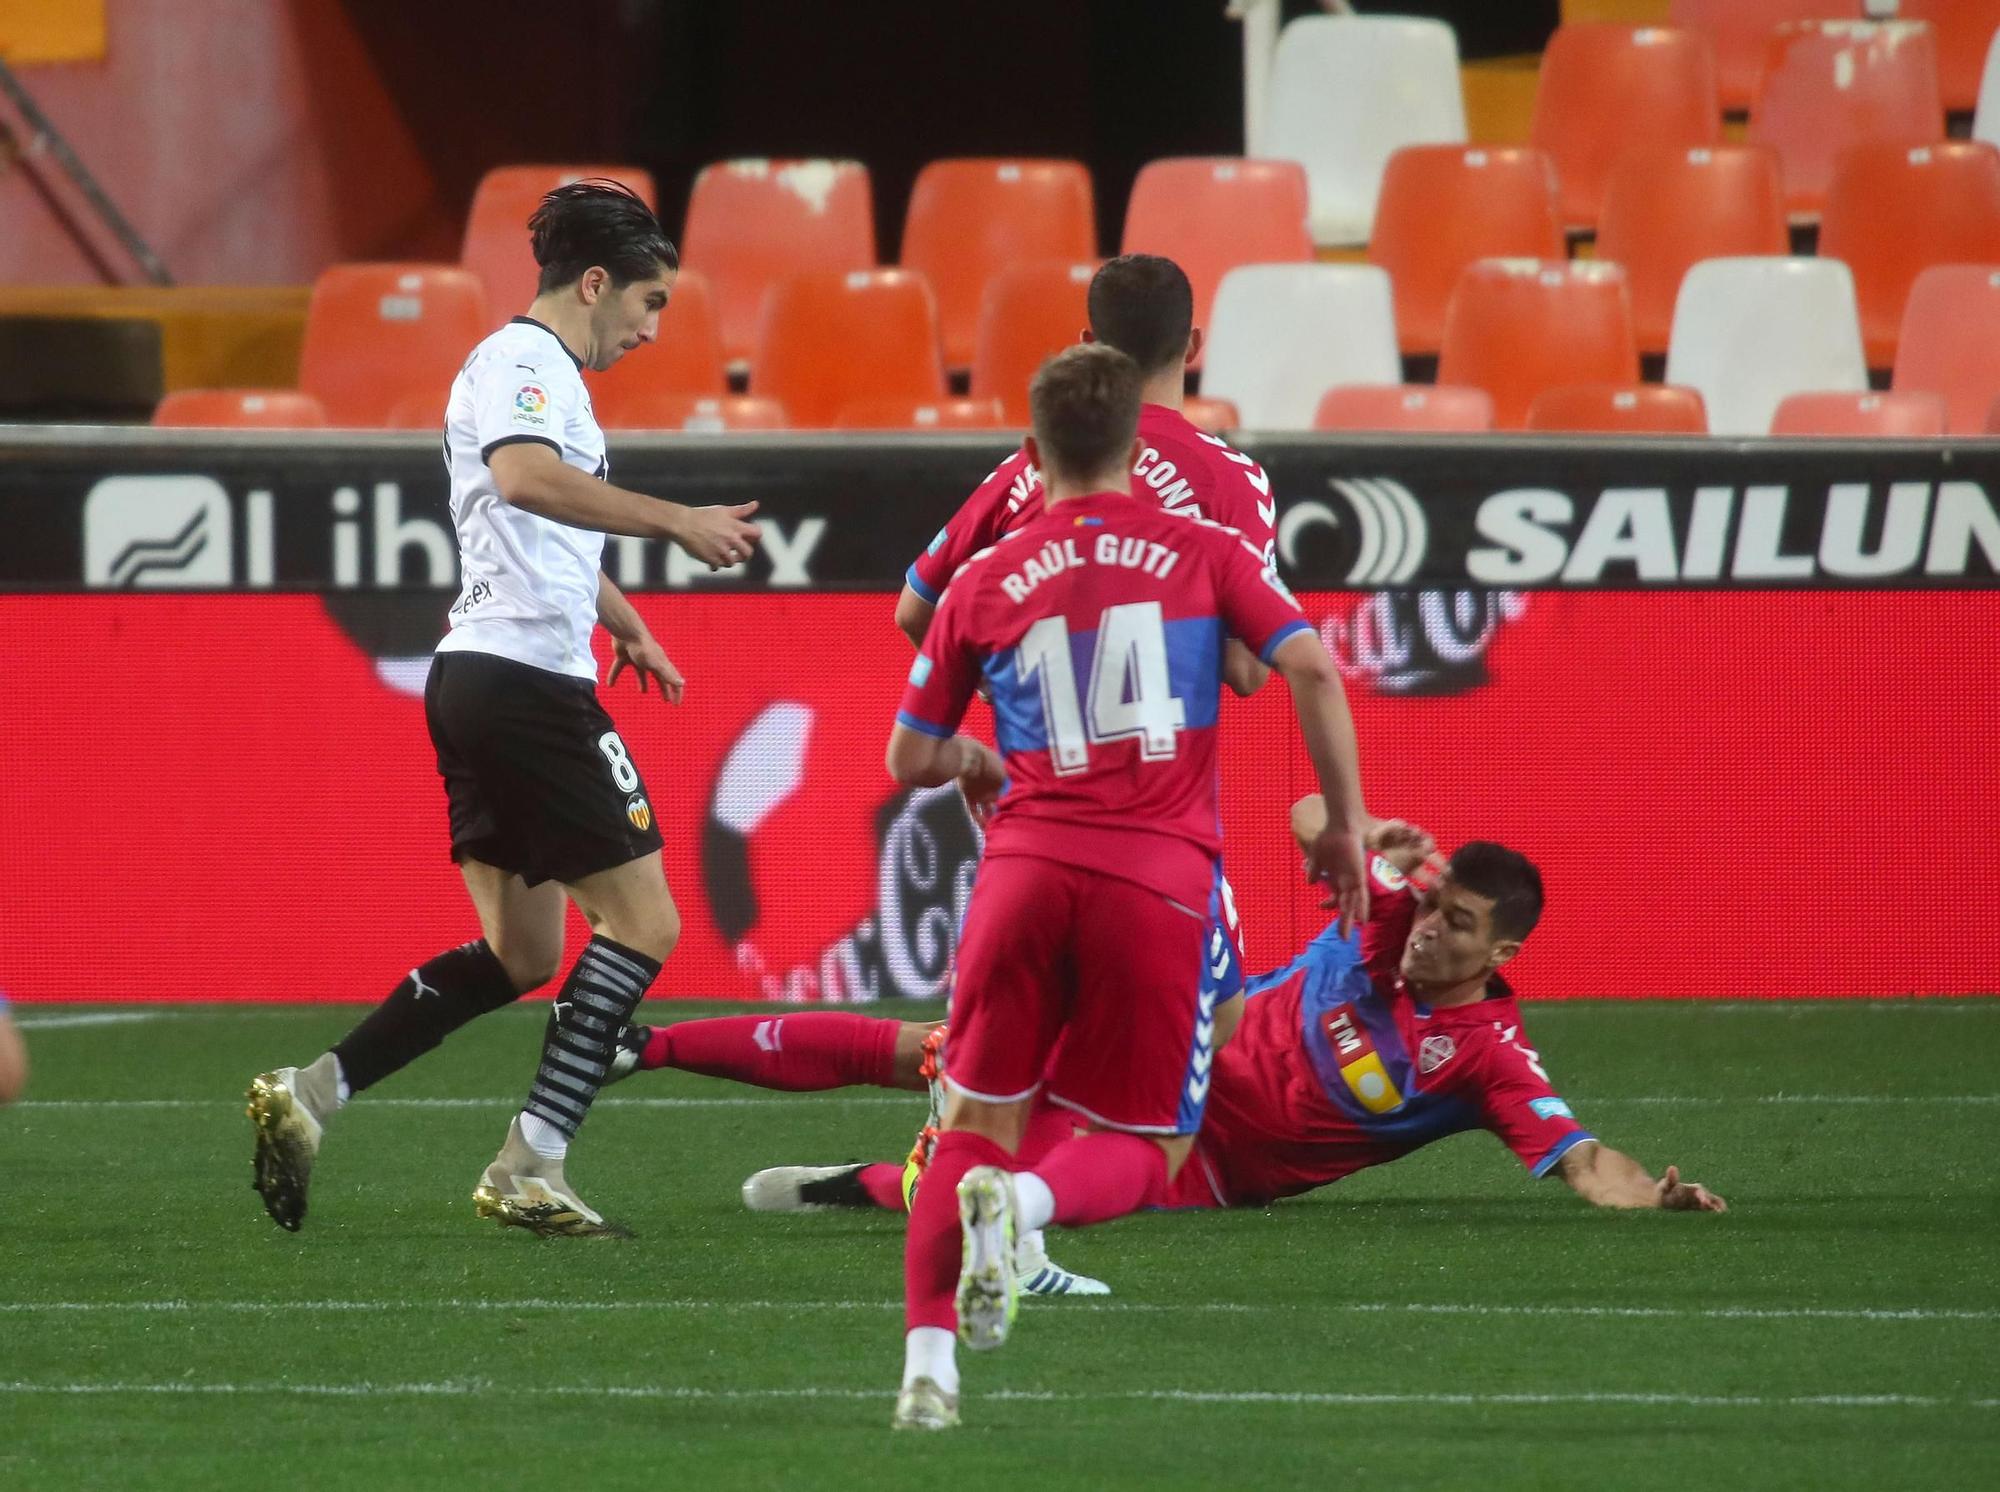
(1736, 794)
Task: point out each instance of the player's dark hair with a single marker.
(1505, 877)
(1143, 305)
(1084, 404)
(594, 222)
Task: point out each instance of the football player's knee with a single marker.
(656, 933)
(530, 963)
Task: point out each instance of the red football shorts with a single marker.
(1107, 967)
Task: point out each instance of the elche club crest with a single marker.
(1434, 1053)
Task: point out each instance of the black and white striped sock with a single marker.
(604, 987)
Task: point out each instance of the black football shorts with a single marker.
(536, 777)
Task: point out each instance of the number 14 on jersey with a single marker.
(1129, 695)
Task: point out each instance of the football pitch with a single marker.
(1445, 1321)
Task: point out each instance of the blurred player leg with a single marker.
(634, 926)
(13, 1058)
(291, 1106)
(804, 1053)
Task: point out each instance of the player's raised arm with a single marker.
(1608, 1178)
(532, 476)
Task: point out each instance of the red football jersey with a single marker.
(1098, 630)
(1181, 467)
(1337, 1067)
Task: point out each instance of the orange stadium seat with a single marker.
(830, 338)
(970, 219)
(1739, 30)
(1029, 313)
(1444, 206)
(1895, 211)
(496, 246)
(239, 409)
(1831, 84)
(1211, 213)
(420, 411)
(1619, 409)
(377, 334)
(1212, 415)
(1951, 326)
(927, 414)
(1519, 326)
(1963, 31)
(751, 223)
(687, 359)
(1881, 415)
(1667, 210)
(1604, 89)
(704, 414)
(1440, 408)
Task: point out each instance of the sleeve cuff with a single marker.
(916, 583)
(1296, 624)
(486, 451)
(922, 726)
(1563, 1147)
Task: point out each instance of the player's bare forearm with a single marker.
(532, 477)
(913, 615)
(1609, 1178)
(917, 760)
(617, 615)
(1241, 670)
(1320, 701)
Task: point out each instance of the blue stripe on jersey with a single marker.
(1329, 954)
(1299, 624)
(1212, 988)
(1194, 672)
(1563, 1147)
(917, 723)
(916, 583)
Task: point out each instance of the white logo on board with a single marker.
(157, 533)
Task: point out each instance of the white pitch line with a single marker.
(911, 1101)
(97, 1018)
(1067, 1306)
(474, 1388)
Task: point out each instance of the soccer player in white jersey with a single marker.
(544, 799)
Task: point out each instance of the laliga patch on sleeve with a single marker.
(1386, 875)
(938, 542)
(531, 407)
(920, 671)
(1550, 1108)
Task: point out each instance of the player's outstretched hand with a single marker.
(719, 535)
(1338, 859)
(1677, 1195)
(981, 780)
(648, 660)
(1403, 844)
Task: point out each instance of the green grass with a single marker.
(461, 1367)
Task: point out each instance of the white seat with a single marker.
(1986, 115)
(1747, 332)
(1349, 91)
(1281, 335)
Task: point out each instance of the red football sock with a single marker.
(800, 1053)
(931, 1252)
(883, 1182)
(1097, 1177)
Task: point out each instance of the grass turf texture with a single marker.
(157, 1331)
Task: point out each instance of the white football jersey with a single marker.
(529, 585)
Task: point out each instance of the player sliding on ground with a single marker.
(545, 802)
(1359, 1051)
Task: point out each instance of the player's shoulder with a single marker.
(1172, 427)
(529, 349)
(1008, 486)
